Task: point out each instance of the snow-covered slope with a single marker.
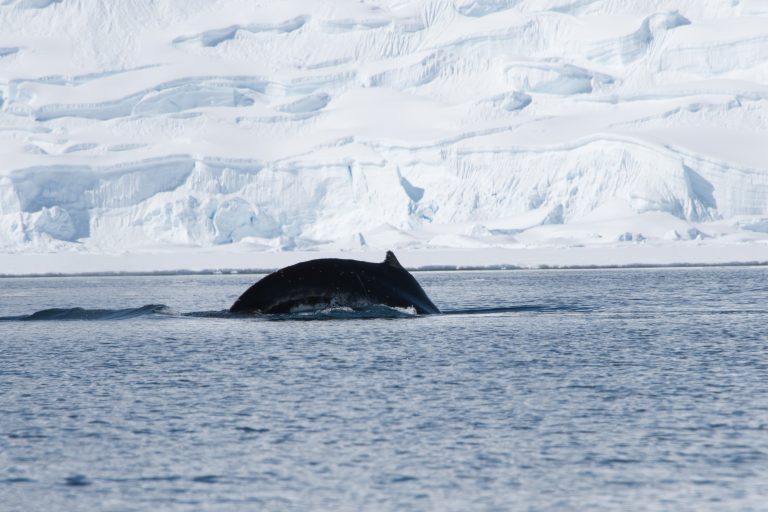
(327, 125)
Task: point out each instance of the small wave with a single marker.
(327, 313)
(338, 313)
(221, 313)
(88, 314)
(522, 308)
(163, 311)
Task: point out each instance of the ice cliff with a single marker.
(343, 124)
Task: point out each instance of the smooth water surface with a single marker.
(538, 390)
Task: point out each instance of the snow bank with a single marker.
(330, 126)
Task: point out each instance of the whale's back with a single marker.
(335, 282)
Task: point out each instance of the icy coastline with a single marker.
(240, 259)
(500, 129)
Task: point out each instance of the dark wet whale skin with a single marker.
(337, 282)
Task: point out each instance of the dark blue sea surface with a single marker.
(641, 389)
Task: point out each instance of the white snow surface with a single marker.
(133, 127)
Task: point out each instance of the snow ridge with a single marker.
(384, 124)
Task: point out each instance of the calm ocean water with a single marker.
(538, 390)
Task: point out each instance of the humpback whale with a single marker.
(335, 282)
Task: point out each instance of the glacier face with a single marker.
(386, 124)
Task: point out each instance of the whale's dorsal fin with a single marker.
(391, 260)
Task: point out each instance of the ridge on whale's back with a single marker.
(336, 282)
